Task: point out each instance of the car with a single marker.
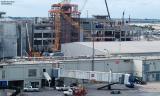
(31, 89)
(69, 92)
(63, 88)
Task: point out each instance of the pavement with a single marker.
(151, 89)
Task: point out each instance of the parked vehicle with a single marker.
(69, 92)
(31, 89)
(63, 88)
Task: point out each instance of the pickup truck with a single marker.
(63, 88)
(31, 89)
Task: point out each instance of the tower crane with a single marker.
(58, 12)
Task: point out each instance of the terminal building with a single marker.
(33, 73)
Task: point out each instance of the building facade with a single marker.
(26, 73)
(8, 38)
(105, 30)
(43, 35)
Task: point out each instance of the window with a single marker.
(35, 84)
(85, 22)
(32, 72)
(152, 75)
(44, 70)
(37, 42)
(3, 74)
(47, 35)
(37, 35)
(47, 42)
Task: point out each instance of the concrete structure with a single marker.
(43, 35)
(8, 38)
(101, 28)
(14, 37)
(25, 36)
(130, 48)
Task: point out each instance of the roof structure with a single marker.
(129, 47)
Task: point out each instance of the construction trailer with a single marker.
(65, 18)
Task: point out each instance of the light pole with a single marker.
(3, 45)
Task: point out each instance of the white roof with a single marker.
(126, 47)
(123, 47)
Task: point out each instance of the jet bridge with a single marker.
(118, 78)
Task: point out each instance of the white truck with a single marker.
(31, 89)
(69, 92)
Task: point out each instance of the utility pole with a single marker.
(93, 51)
(3, 46)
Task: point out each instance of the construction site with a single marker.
(65, 54)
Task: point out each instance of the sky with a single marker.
(144, 9)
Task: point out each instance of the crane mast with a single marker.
(64, 17)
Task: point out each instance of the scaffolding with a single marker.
(66, 23)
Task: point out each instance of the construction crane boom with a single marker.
(108, 12)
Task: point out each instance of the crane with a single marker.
(59, 12)
(109, 17)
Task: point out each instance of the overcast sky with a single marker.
(134, 8)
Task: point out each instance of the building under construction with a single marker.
(65, 18)
(105, 30)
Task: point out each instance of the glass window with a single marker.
(32, 72)
(3, 74)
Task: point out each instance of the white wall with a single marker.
(137, 67)
(100, 65)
